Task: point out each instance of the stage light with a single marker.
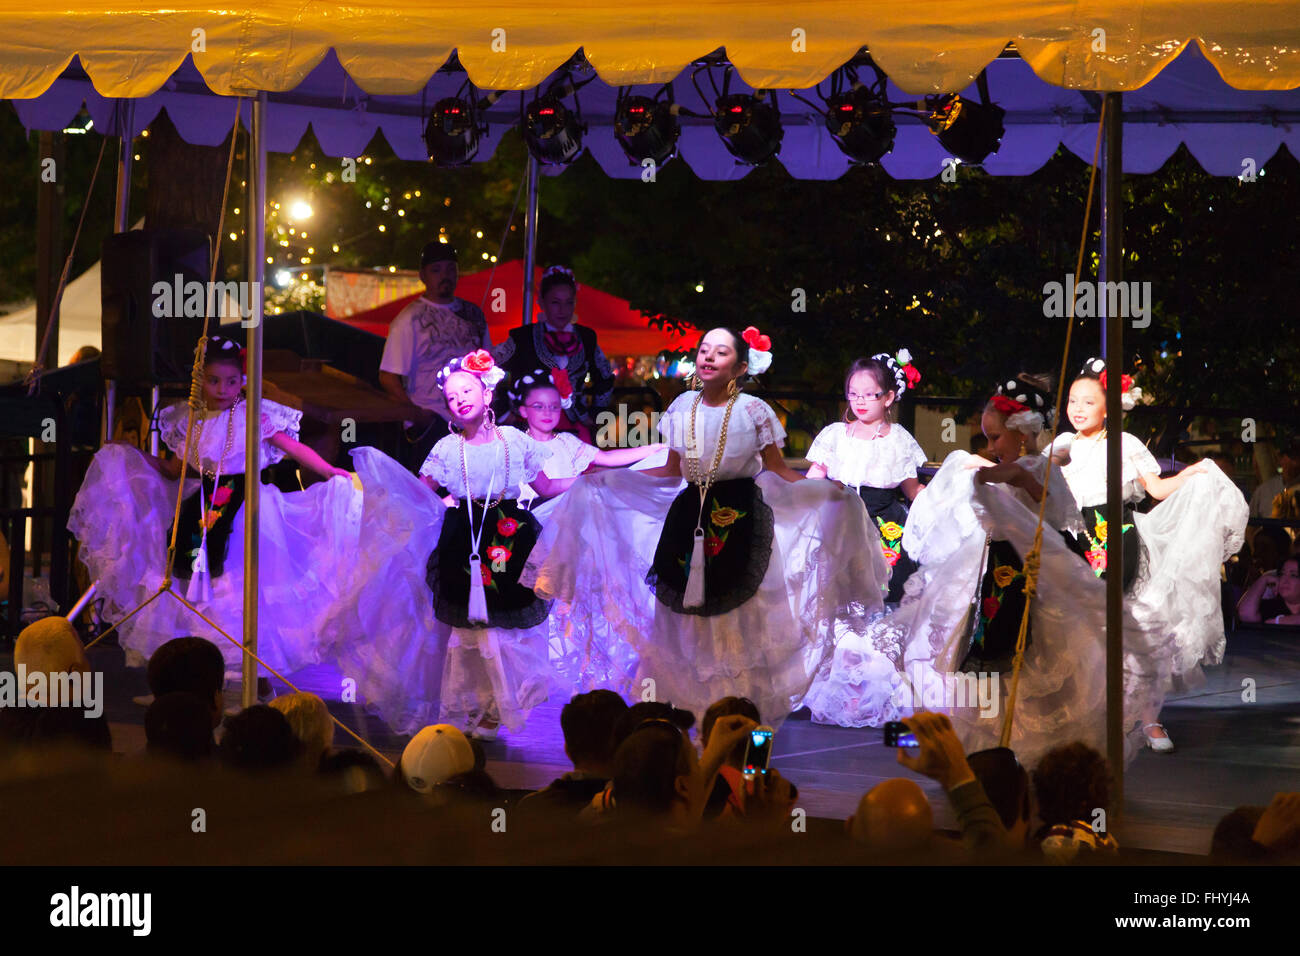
(750, 128)
(646, 129)
(553, 132)
(451, 134)
(283, 277)
(861, 125)
(299, 210)
(968, 129)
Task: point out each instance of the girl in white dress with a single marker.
(123, 518)
(732, 583)
(443, 573)
(874, 455)
(969, 530)
(539, 398)
(1172, 554)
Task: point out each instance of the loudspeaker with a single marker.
(147, 281)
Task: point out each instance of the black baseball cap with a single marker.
(437, 252)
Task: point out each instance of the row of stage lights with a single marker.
(858, 116)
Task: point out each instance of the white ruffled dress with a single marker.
(1183, 541)
(413, 669)
(884, 462)
(826, 566)
(307, 549)
(1062, 692)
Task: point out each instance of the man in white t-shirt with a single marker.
(423, 338)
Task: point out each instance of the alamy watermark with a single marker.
(77, 690)
(196, 300)
(1117, 300)
(928, 689)
(627, 429)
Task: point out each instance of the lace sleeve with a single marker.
(1138, 459)
(534, 454)
(280, 418)
(672, 423)
(435, 466)
(766, 423)
(277, 418)
(171, 424)
(577, 449)
(912, 451)
(822, 450)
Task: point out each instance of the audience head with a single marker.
(1289, 460)
(1006, 784)
(311, 723)
(435, 755)
(893, 816)
(193, 665)
(653, 773)
(178, 725)
(355, 771)
(638, 714)
(727, 707)
(588, 722)
(259, 738)
(1071, 783)
(50, 646)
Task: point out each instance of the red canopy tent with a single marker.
(620, 329)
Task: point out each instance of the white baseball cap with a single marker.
(434, 755)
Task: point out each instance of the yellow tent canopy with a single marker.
(130, 49)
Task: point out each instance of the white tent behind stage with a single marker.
(79, 323)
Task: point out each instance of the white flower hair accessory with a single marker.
(905, 373)
(760, 351)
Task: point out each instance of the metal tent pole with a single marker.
(121, 223)
(1112, 256)
(253, 428)
(530, 238)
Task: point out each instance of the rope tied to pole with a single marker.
(195, 403)
(1033, 560)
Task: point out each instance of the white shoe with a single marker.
(1161, 745)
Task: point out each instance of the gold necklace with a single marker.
(230, 443)
(693, 472)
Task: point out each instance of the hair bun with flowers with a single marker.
(556, 378)
(760, 351)
(905, 373)
(479, 364)
(1027, 407)
(1130, 394)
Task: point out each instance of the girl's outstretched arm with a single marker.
(773, 462)
(617, 457)
(670, 469)
(305, 456)
(550, 487)
(1161, 488)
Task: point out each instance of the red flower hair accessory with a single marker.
(560, 379)
(760, 350)
(1008, 406)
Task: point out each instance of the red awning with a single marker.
(620, 329)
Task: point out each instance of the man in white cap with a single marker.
(435, 755)
(50, 666)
